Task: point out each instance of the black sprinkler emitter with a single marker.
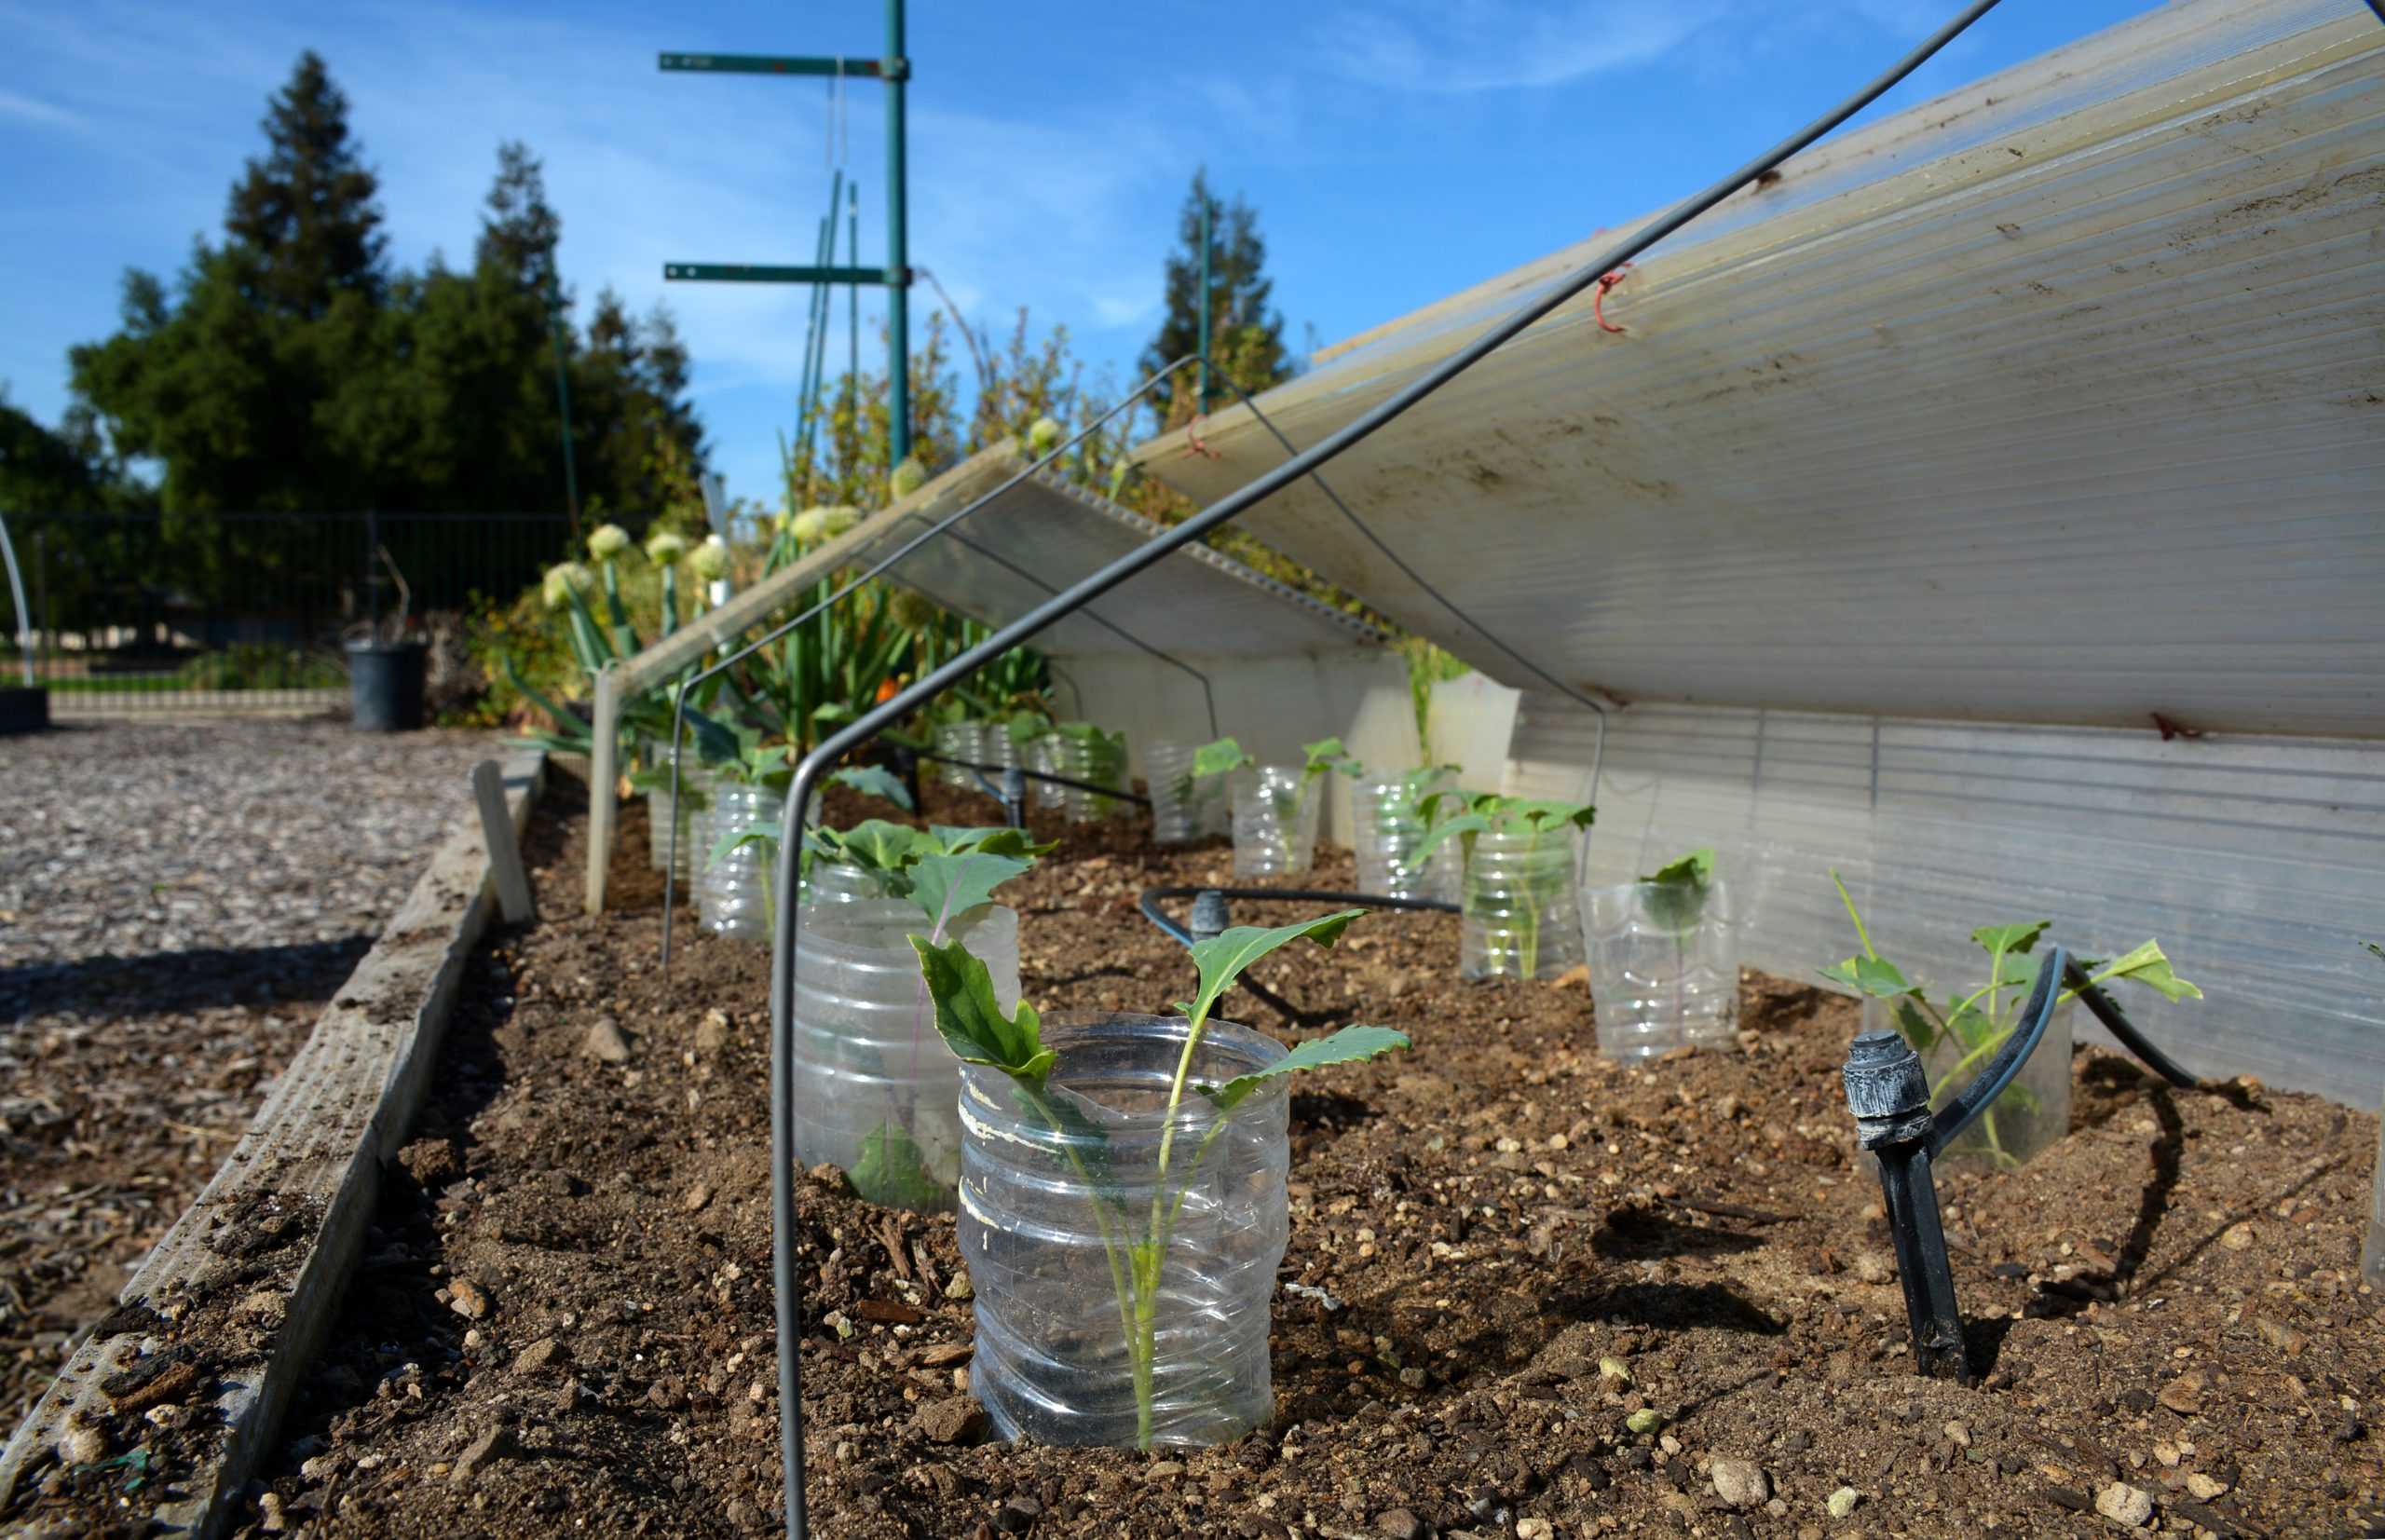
(1888, 1093)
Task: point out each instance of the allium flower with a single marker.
(911, 609)
(561, 579)
(607, 540)
(1044, 437)
(909, 477)
(710, 559)
(665, 548)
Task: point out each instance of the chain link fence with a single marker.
(134, 614)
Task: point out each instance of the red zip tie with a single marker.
(1597, 300)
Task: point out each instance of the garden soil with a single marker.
(1503, 1249)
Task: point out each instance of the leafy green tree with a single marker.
(1246, 337)
(288, 368)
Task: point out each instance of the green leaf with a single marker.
(2011, 938)
(893, 1172)
(1875, 976)
(1222, 757)
(2146, 965)
(1222, 958)
(1450, 828)
(874, 780)
(1674, 895)
(2374, 948)
(1348, 1045)
(1546, 813)
(970, 1021)
(1916, 1024)
(997, 840)
(946, 887)
(1326, 753)
(1694, 870)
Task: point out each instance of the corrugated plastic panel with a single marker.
(2259, 863)
(2056, 400)
(1045, 532)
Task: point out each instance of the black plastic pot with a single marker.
(385, 684)
(23, 708)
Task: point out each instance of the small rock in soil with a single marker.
(2205, 1488)
(1399, 1524)
(958, 1420)
(497, 1443)
(1873, 1268)
(546, 1353)
(1740, 1483)
(605, 1043)
(2123, 1504)
(1842, 1502)
(697, 1197)
(1018, 1515)
(468, 1299)
(82, 1445)
(1534, 1529)
(2182, 1395)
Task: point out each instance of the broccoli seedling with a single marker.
(1538, 820)
(1137, 1244)
(1980, 1024)
(1287, 804)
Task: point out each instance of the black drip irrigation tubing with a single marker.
(786, 1280)
(986, 772)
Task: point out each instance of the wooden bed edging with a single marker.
(248, 1279)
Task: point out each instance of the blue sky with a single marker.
(1396, 150)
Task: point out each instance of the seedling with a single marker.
(1977, 1025)
(1136, 1245)
(1105, 761)
(947, 873)
(1674, 897)
(1413, 800)
(1539, 821)
(1289, 804)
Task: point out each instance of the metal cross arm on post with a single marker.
(755, 272)
(783, 64)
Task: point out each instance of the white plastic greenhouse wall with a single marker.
(1923, 493)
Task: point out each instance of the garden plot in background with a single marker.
(176, 902)
(1924, 492)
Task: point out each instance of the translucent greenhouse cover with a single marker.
(1993, 507)
(1045, 532)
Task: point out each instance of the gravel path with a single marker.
(176, 902)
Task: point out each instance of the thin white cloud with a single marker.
(1110, 311)
(1458, 45)
(31, 110)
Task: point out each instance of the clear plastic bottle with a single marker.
(733, 890)
(1664, 967)
(661, 811)
(1184, 809)
(1095, 758)
(1389, 829)
(1048, 1205)
(1043, 753)
(965, 741)
(1522, 917)
(1274, 821)
(876, 1088)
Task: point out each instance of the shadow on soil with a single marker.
(108, 988)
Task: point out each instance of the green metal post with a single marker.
(853, 291)
(1202, 407)
(563, 400)
(898, 70)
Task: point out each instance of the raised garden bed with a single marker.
(1503, 1247)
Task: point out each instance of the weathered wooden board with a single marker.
(235, 1300)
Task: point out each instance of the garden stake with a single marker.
(787, 1298)
(1888, 1093)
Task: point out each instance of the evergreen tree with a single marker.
(1246, 337)
(305, 215)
